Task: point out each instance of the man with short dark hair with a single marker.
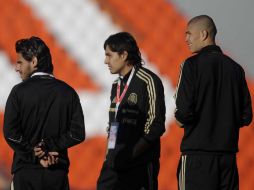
(212, 104)
(136, 119)
(43, 118)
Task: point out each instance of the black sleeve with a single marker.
(247, 114)
(12, 127)
(185, 98)
(155, 120)
(76, 130)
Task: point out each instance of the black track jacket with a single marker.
(42, 107)
(212, 102)
(141, 115)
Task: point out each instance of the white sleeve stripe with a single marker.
(16, 140)
(179, 80)
(152, 97)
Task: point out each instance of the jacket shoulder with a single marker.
(63, 85)
(147, 74)
(192, 59)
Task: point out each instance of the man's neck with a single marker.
(209, 43)
(205, 44)
(126, 70)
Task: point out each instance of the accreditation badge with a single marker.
(112, 135)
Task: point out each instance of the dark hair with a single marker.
(124, 41)
(35, 47)
(209, 24)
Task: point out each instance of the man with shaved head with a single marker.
(201, 32)
(212, 103)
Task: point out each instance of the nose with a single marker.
(17, 67)
(186, 38)
(106, 61)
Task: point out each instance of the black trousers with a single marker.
(142, 177)
(208, 172)
(40, 179)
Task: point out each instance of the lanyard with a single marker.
(42, 74)
(119, 97)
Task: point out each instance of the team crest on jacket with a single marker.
(132, 99)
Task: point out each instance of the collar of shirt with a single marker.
(125, 78)
(211, 48)
(41, 74)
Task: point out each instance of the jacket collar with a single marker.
(211, 48)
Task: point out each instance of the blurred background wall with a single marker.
(75, 32)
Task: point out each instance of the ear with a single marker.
(34, 62)
(124, 55)
(204, 35)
